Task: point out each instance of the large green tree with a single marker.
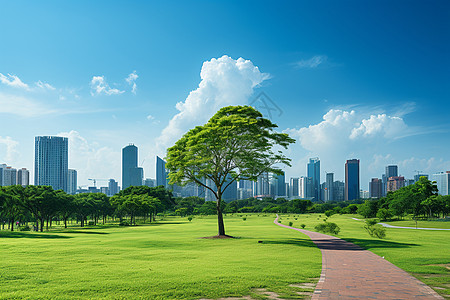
(236, 143)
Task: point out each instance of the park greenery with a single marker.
(235, 144)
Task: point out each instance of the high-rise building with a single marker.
(313, 171)
(280, 188)
(161, 172)
(51, 162)
(417, 177)
(352, 179)
(131, 174)
(395, 182)
(375, 188)
(73, 182)
(23, 177)
(294, 187)
(113, 187)
(391, 171)
(329, 187)
(339, 190)
(149, 182)
(306, 187)
(9, 176)
(2, 167)
(442, 182)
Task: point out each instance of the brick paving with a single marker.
(350, 272)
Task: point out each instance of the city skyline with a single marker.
(353, 87)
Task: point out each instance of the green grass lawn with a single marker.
(162, 261)
(423, 253)
(420, 223)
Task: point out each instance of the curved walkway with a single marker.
(393, 226)
(350, 272)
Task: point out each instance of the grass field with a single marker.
(163, 261)
(422, 224)
(423, 253)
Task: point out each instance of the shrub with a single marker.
(124, 223)
(24, 228)
(374, 229)
(279, 221)
(328, 227)
(244, 218)
(295, 219)
(91, 223)
(189, 219)
(290, 224)
(303, 226)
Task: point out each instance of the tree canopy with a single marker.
(236, 143)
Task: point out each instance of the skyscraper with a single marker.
(306, 187)
(329, 187)
(161, 172)
(391, 171)
(23, 177)
(113, 187)
(131, 174)
(51, 161)
(9, 176)
(395, 182)
(313, 171)
(294, 187)
(352, 179)
(443, 182)
(72, 183)
(376, 188)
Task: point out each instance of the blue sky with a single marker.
(353, 79)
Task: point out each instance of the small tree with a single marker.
(235, 144)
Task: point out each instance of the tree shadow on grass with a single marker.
(84, 231)
(372, 244)
(296, 242)
(29, 235)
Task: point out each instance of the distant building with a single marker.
(306, 188)
(131, 174)
(395, 182)
(294, 187)
(23, 177)
(149, 182)
(9, 176)
(352, 179)
(375, 188)
(339, 190)
(73, 182)
(51, 162)
(161, 172)
(329, 187)
(443, 182)
(417, 177)
(313, 171)
(280, 189)
(113, 187)
(363, 194)
(2, 167)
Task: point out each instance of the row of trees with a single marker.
(42, 205)
(420, 199)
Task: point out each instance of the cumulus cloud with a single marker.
(91, 160)
(131, 79)
(389, 127)
(13, 81)
(224, 81)
(100, 86)
(11, 149)
(311, 63)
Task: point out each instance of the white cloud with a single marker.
(13, 81)
(22, 106)
(150, 117)
(224, 81)
(389, 127)
(311, 63)
(90, 160)
(100, 86)
(11, 150)
(131, 79)
(45, 86)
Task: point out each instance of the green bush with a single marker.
(303, 226)
(374, 229)
(290, 224)
(244, 218)
(124, 223)
(91, 223)
(328, 227)
(279, 221)
(24, 228)
(189, 219)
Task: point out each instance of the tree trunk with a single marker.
(220, 216)
(65, 223)
(12, 225)
(42, 224)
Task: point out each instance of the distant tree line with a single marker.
(420, 200)
(42, 205)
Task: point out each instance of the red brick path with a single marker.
(350, 272)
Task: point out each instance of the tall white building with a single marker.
(2, 167)
(9, 176)
(443, 182)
